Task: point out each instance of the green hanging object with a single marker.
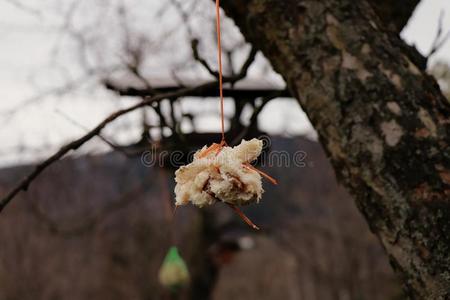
(173, 273)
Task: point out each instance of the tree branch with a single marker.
(233, 78)
(25, 182)
(122, 150)
(206, 92)
(254, 117)
(441, 37)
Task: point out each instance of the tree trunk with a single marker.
(383, 122)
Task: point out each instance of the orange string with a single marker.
(243, 216)
(208, 150)
(218, 147)
(219, 55)
(267, 176)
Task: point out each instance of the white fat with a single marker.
(220, 177)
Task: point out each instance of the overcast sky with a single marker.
(27, 43)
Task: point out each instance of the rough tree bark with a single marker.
(383, 122)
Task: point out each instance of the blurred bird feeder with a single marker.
(173, 274)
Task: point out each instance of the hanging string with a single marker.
(218, 147)
(219, 56)
(170, 213)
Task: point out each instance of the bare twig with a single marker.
(233, 78)
(25, 182)
(25, 7)
(201, 60)
(246, 65)
(255, 114)
(177, 79)
(184, 15)
(58, 91)
(113, 146)
(230, 62)
(241, 92)
(441, 37)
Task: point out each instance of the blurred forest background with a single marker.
(97, 224)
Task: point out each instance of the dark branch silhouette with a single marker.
(25, 182)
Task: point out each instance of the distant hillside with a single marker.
(96, 227)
